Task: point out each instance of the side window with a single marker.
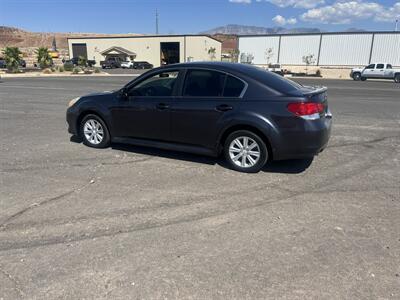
(371, 66)
(380, 66)
(159, 85)
(203, 83)
(233, 87)
(389, 66)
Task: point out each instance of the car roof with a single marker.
(244, 69)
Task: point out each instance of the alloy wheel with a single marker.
(244, 152)
(93, 131)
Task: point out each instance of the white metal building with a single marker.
(329, 49)
(157, 50)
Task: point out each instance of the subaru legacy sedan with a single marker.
(249, 115)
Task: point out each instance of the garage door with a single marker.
(79, 50)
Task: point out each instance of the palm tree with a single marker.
(44, 58)
(12, 57)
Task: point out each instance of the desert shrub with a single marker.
(60, 69)
(53, 69)
(12, 58)
(97, 70)
(44, 58)
(76, 70)
(82, 61)
(47, 71)
(87, 71)
(318, 73)
(68, 67)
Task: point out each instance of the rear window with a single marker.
(233, 87)
(274, 81)
(204, 83)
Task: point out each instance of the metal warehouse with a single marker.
(328, 49)
(157, 50)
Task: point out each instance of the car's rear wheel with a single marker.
(397, 78)
(357, 76)
(94, 132)
(245, 151)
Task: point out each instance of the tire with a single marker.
(357, 76)
(363, 78)
(397, 78)
(251, 163)
(102, 137)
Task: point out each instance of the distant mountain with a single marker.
(11, 36)
(244, 30)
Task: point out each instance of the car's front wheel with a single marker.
(94, 132)
(245, 151)
(357, 76)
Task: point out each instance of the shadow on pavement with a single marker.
(294, 166)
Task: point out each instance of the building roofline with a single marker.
(319, 33)
(141, 36)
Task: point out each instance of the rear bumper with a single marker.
(304, 141)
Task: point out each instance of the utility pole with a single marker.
(156, 21)
(397, 21)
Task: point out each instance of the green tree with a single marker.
(212, 52)
(82, 61)
(43, 57)
(12, 58)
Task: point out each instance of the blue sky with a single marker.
(192, 16)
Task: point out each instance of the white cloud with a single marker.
(345, 12)
(297, 3)
(287, 3)
(240, 1)
(279, 20)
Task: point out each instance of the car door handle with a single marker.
(224, 107)
(162, 106)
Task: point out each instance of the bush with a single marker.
(60, 69)
(44, 58)
(76, 70)
(318, 73)
(82, 61)
(97, 70)
(68, 67)
(53, 69)
(12, 58)
(47, 71)
(87, 71)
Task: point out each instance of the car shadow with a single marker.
(294, 166)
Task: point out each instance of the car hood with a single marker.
(98, 94)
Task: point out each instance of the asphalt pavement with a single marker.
(134, 223)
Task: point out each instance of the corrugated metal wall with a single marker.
(345, 49)
(258, 46)
(294, 47)
(330, 49)
(386, 49)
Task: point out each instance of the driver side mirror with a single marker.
(123, 93)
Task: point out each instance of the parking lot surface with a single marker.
(130, 222)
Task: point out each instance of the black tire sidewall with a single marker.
(357, 76)
(397, 78)
(363, 78)
(106, 139)
(263, 148)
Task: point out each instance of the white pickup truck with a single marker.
(376, 71)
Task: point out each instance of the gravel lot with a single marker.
(129, 222)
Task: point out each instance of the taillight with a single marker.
(306, 110)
